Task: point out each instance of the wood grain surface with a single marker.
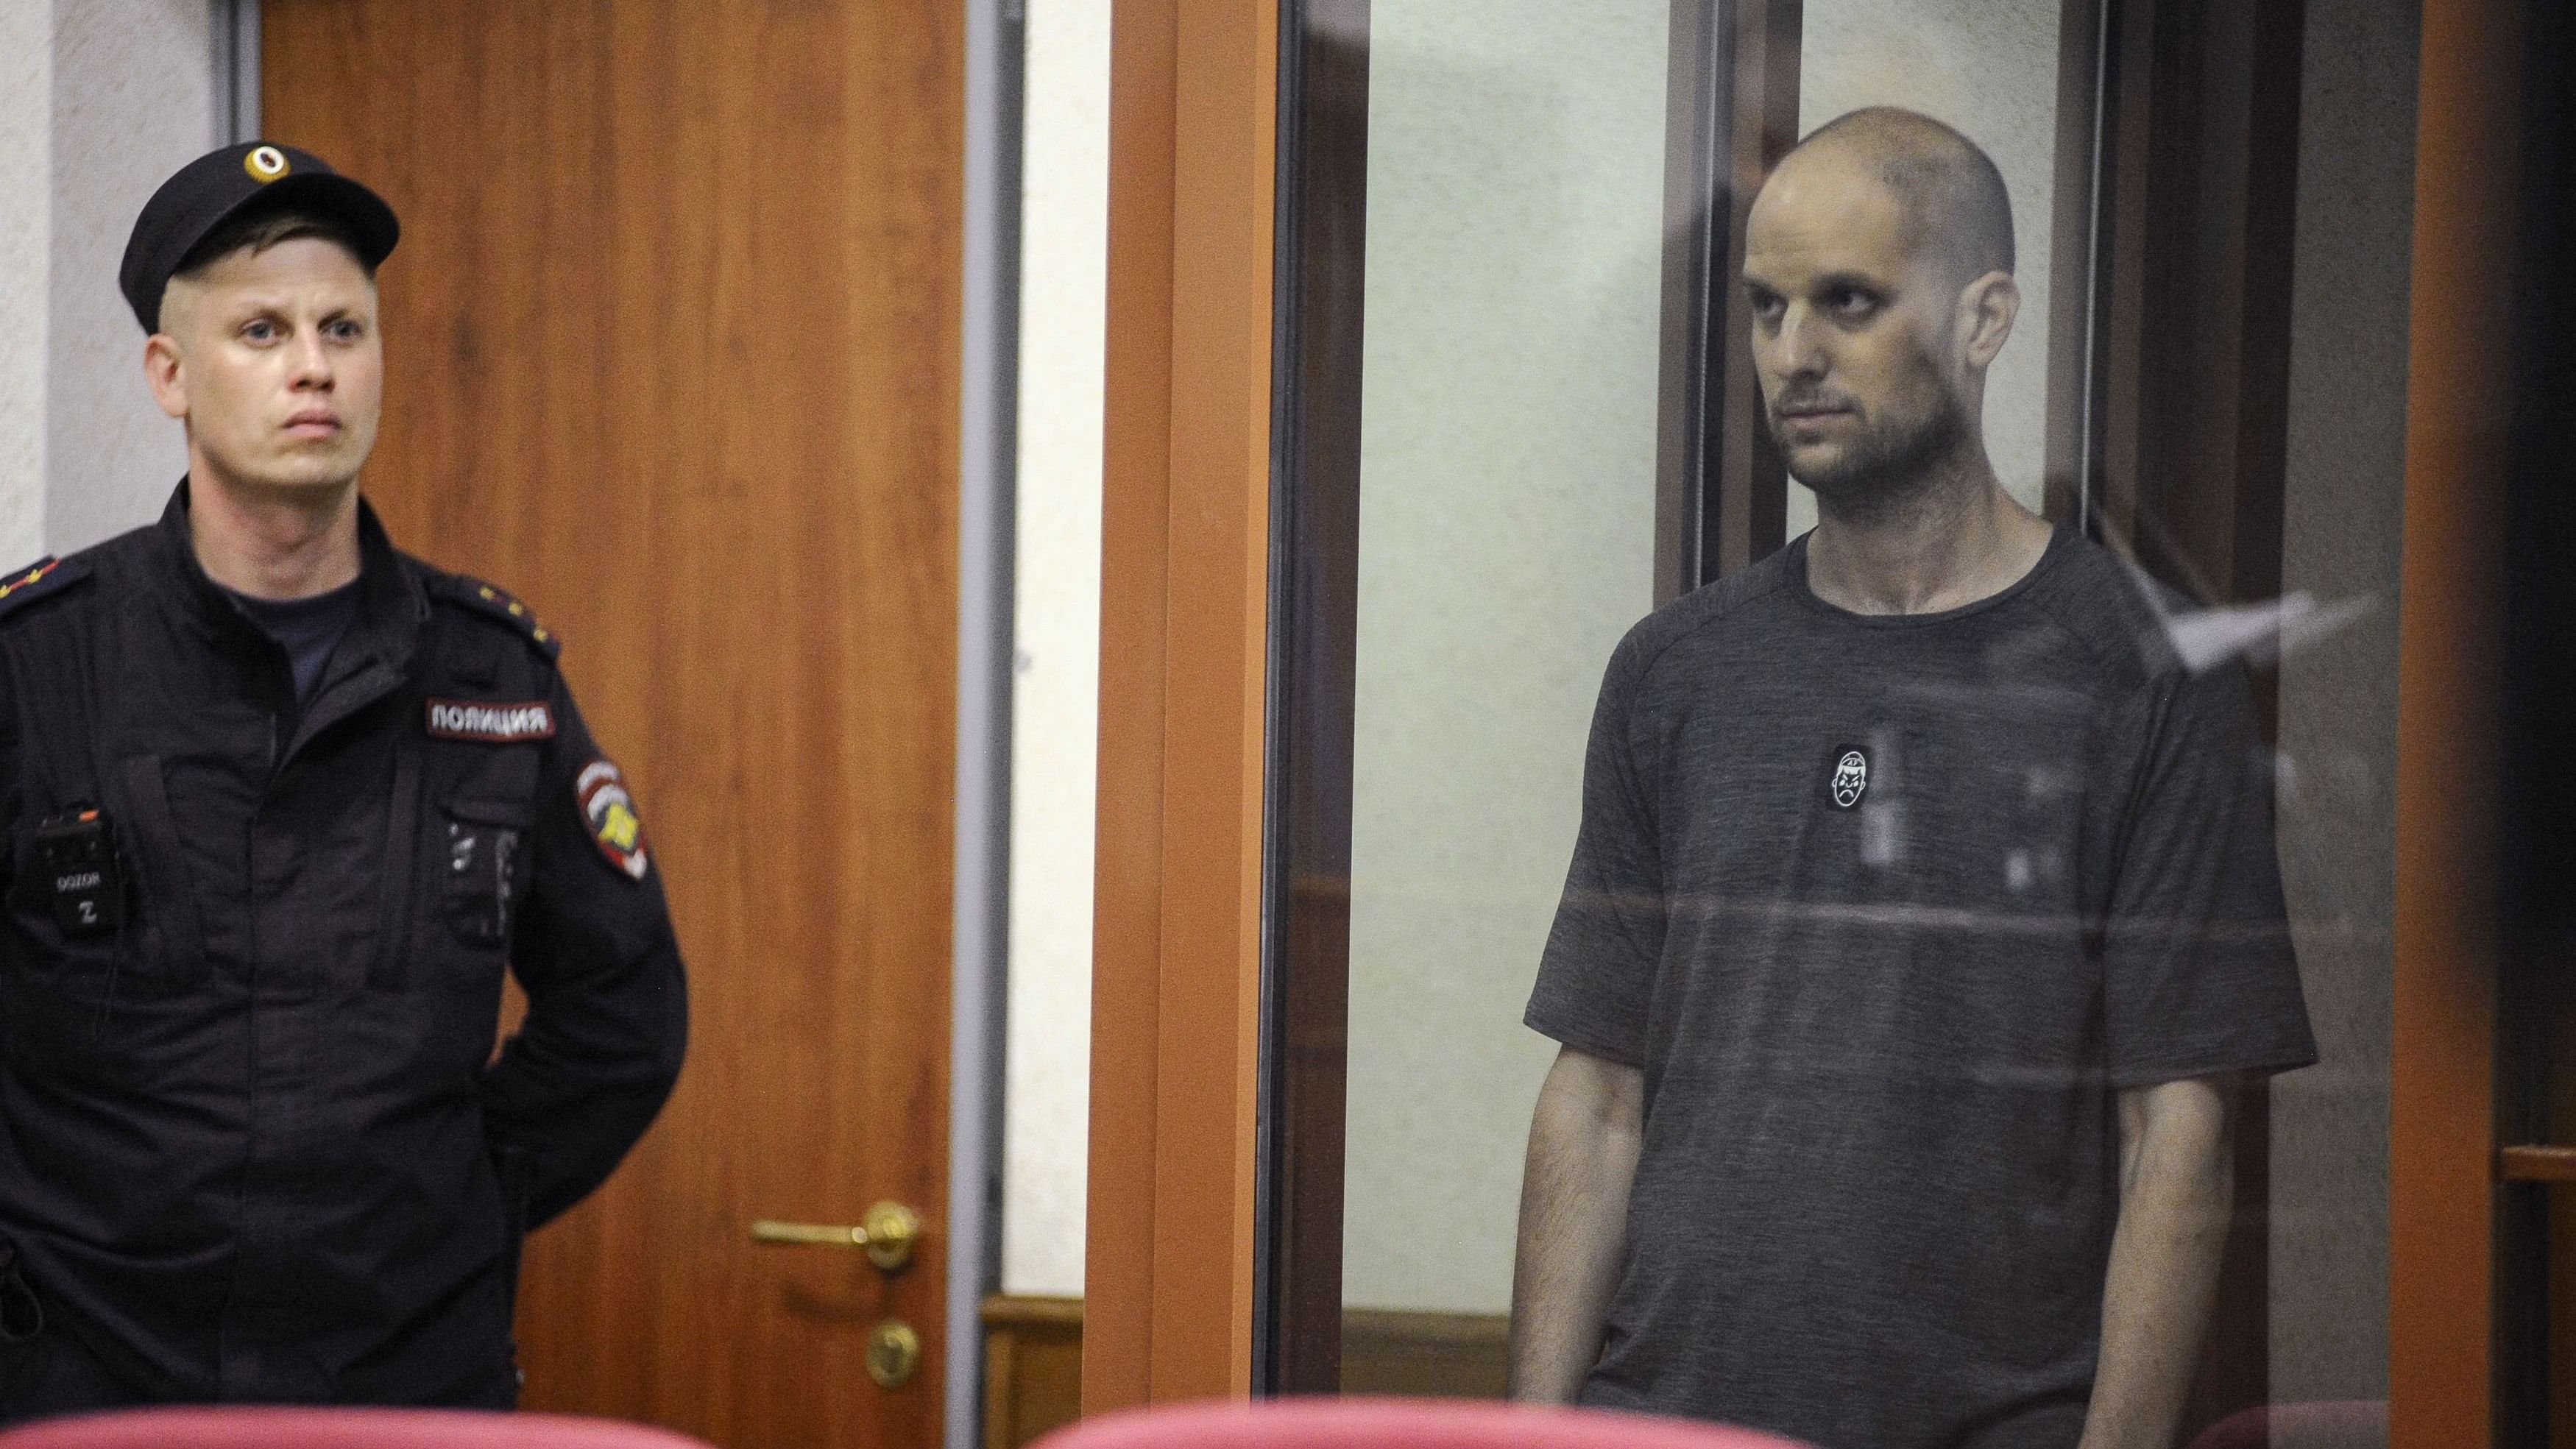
(1033, 1355)
(671, 343)
(2536, 1164)
(2442, 1078)
(1032, 1368)
(1176, 955)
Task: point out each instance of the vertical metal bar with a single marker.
(1318, 306)
(219, 71)
(988, 400)
(1749, 480)
(1698, 131)
(2075, 212)
(2088, 449)
(234, 30)
(1286, 464)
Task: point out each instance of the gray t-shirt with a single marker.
(1888, 909)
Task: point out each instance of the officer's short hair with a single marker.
(259, 231)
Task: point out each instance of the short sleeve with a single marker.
(1597, 976)
(2199, 977)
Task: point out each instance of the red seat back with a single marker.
(1392, 1424)
(263, 1427)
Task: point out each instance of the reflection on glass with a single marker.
(1913, 865)
(1924, 920)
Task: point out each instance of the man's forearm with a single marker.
(2177, 1189)
(587, 1072)
(1573, 1227)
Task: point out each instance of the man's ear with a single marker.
(1987, 307)
(167, 374)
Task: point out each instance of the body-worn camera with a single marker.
(77, 852)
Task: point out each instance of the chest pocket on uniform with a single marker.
(55, 988)
(479, 873)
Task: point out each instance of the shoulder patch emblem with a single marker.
(608, 813)
(491, 722)
(44, 576)
(485, 599)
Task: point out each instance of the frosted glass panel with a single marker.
(1507, 530)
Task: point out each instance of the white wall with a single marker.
(1055, 696)
(26, 249)
(99, 101)
(1989, 68)
(134, 100)
(1507, 502)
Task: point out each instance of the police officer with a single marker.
(283, 803)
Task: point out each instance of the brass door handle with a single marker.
(888, 1232)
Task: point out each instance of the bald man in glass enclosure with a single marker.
(1924, 917)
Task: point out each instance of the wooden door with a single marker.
(671, 343)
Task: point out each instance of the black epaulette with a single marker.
(486, 599)
(42, 579)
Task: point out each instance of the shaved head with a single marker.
(1952, 195)
(1878, 260)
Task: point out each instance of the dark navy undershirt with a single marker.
(307, 629)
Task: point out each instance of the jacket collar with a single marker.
(391, 601)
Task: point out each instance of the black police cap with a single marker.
(237, 180)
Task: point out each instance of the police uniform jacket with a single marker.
(254, 1142)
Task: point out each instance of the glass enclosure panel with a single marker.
(2024, 886)
(1507, 531)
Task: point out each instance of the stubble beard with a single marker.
(1887, 467)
